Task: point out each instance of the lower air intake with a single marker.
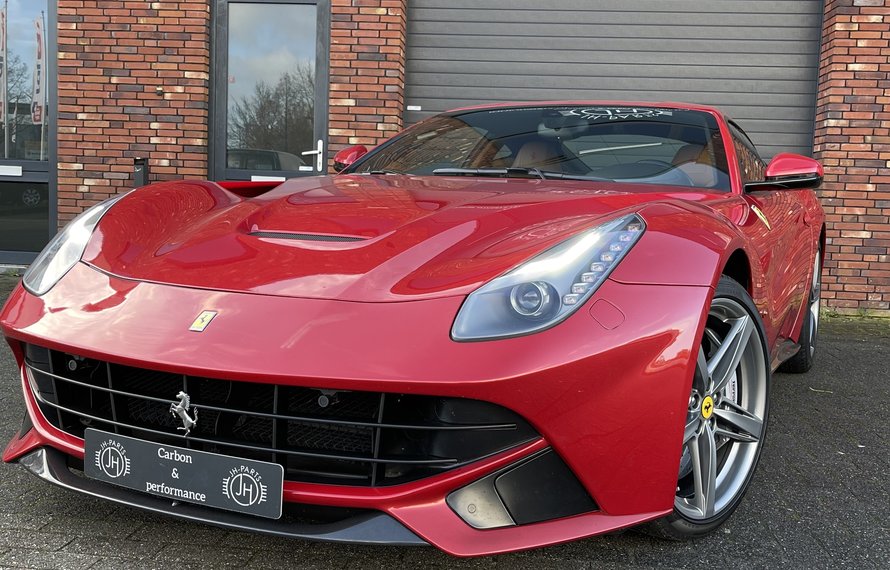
(323, 436)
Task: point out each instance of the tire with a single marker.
(726, 418)
(803, 359)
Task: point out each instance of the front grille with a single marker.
(322, 436)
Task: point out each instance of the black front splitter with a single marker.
(366, 528)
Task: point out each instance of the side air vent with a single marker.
(306, 237)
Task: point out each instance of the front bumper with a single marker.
(606, 389)
(368, 528)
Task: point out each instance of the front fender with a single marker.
(687, 244)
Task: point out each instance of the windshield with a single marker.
(643, 145)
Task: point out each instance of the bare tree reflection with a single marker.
(24, 136)
(276, 116)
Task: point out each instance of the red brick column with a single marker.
(853, 142)
(133, 82)
(367, 71)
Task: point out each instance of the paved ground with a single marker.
(820, 499)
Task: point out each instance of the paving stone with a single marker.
(116, 548)
(125, 563)
(15, 538)
(24, 520)
(263, 542)
(106, 528)
(174, 555)
(24, 558)
(280, 559)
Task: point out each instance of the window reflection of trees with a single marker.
(276, 116)
(24, 135)
(440, 142)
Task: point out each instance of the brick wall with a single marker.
(853, 143)
(133, 82)
(367, 71)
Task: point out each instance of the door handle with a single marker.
(318, 153)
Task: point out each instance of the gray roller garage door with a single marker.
(755, 59)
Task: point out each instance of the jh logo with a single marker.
(112, 459)
(245, 486)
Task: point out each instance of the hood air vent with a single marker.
(306, 237)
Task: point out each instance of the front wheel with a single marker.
(726, 417)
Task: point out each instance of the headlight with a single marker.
(64, 250)
(549, 287)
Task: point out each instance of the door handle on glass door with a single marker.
(319, 155)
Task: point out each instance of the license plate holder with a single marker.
(181, 474)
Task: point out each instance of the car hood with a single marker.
(353, 238)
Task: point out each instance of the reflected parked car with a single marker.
(259, 159)
(23, 195)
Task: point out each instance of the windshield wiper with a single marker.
(516, 172)
(563, 176)
(380, 172)
(512, 172)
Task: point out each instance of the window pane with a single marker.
(24, 125)
(271, 85)
(24, 216)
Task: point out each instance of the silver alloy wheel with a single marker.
(31, 197)
(815, 295)
(727, 405)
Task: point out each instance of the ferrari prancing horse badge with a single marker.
(203, 321)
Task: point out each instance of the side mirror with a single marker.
(789, 171)
(349, 155)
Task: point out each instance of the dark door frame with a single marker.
(219, 54)
(33, 170)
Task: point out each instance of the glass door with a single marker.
(27, 197)
(270, 97)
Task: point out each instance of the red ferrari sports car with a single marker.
(507, 327)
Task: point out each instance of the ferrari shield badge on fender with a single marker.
(203, 321)
(762, 216)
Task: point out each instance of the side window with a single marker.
(751, 165)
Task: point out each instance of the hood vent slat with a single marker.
(305, 236)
